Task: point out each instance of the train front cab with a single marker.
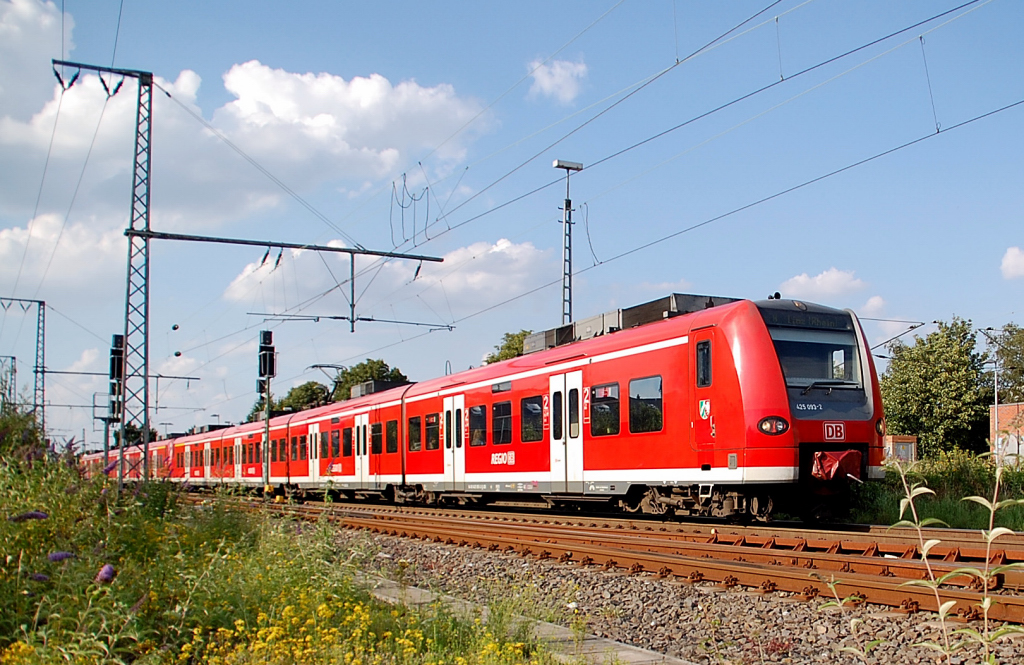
(835, 408)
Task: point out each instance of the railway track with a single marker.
(871, 565)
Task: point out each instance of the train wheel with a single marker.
(761, 507)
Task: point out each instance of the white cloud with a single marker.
(85, 361)
(85, 258)
(828, 285)
(873, 307)
(1013, 263)
(30, 34)
(317, 132)
(559, 79)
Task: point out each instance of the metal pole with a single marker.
(567, 241)
(40, 369)
(352, 292)
(996, 372)
(266, 441)
(106, 442)
(567, 257)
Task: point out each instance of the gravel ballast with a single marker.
(701, 622)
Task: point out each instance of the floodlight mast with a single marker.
(569, 167)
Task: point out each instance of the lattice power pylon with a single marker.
(8, 382)
(39, 371)
(135, 396)
(135, 386)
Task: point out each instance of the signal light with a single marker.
(261, 386)
(267, 357)
(117, 358)
(773, 425)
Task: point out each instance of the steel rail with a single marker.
(806, 584)
(905, 568)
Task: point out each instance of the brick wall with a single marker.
(1011, 427)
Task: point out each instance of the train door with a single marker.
(704, 406)
(362, 457)
(454, 438)
(238, 458)
(314, 450)
(565, 395)
(207, 458)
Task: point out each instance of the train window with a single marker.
(574, 413)
(295, 448)
(376, 438)
(556, 415)
(324, 445)
(391, 436)
(335, 443)
(704, 364)
(433, 431)
(458, 428)
(273, 450)
(604, 410)
(415, 434)
(808, 356)
(283, 443)
(346, 442)
(258, 451)
(447, 429)
(501, 422)
(502, 387)
(478, 425)
(531, 419)
(302, 446)
(645, 407)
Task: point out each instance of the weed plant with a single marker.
(89, 577)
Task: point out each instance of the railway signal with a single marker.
(267, 370)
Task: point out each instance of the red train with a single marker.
(723, 411)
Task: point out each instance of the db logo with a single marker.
(835, 431)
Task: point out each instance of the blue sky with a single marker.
(344, 102)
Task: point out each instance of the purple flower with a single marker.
(39, 577)
(106, 574)
(110, 467)
(30, 515)
(57, 557)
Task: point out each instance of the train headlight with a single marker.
(880, 426)
(773, 425)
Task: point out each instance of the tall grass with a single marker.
(951, 476)
(147, 578)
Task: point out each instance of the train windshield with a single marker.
(812, 359)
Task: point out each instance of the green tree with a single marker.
(304, 396)
(937, 389)
(511, 347)
(132, 434)
(1009, 350)
(368, 370)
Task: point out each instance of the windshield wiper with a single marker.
(827, 383)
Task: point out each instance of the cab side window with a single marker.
(704, 364)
